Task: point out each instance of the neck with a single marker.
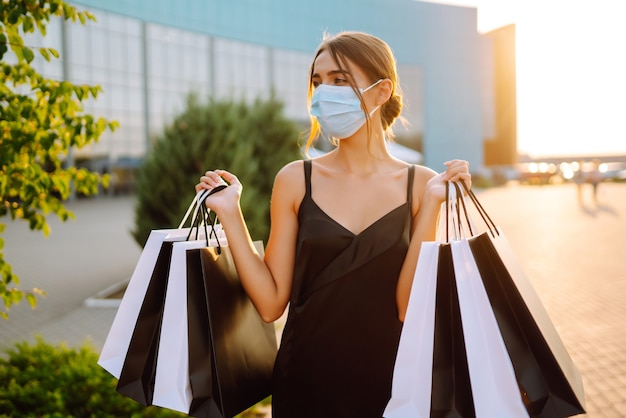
(359, 156)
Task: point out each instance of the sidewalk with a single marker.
(573, 254)
(77, 260)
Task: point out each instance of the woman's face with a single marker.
(326, 71)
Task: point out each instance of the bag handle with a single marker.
(203, 216)
(195, 205)
(455, 201)
(493, 228)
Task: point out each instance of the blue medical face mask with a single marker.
(338, 109)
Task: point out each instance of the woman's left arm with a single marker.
(431, 191)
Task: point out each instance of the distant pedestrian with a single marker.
(594, 178)
(579, 179)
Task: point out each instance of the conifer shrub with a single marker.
(252, 141)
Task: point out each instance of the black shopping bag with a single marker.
(136, 379)
(451, 394)
(549, 382)
(231, 349)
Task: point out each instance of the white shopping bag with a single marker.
(494, 386)
(118, 339)
(172, 388)
(412, 375)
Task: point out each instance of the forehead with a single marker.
(325, 65)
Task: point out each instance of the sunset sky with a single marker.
(571, 72)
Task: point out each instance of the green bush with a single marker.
(46, 381)
(251, 141)
(43, 380)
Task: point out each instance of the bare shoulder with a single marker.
(422, 175)
(291, 175)
(289, 183)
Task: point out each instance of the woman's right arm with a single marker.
(267, 280)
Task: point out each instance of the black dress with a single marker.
(339, 344)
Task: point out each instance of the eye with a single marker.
(340, 81)
(315, 84)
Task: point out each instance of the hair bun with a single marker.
(391, 110)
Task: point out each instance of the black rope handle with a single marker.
(460, 202)
(213, 223)
(206, 216)
(456, 212)
(200, 217)
(493, 228)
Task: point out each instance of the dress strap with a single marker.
(409, 198)
(409, 189)
(307, 176)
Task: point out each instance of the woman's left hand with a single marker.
(457, 170)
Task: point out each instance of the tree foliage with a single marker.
(41, 119)
(251, 141)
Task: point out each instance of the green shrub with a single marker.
(251, 141)
(46, 381)
(43, 380)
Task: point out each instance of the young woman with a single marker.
(346, 232)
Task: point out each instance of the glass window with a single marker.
(291, 82)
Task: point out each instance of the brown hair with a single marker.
(375, 58)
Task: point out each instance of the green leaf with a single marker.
(14, 16)
(54, 52)
(32, 300)
(3, 45)
(28, 54)
(27, 25)
(45, 53)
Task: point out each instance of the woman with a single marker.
(338, 250)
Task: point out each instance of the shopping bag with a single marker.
(494, 387)
(242, 346)
(549, 381)
(501, 364)
(451, 391)
(129, 351)
(412, 376)
(220, 352)
(171, 384)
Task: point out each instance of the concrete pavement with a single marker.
(77, 260)
(573, 253)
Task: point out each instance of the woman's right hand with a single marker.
(226, 199)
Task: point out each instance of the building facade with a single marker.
(148, 55)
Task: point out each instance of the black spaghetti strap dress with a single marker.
(339, 344)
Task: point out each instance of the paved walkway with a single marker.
(574, 254)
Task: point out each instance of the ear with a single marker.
(384, 92)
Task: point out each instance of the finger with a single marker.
(210, 180)
(457, 164)
(229, 177)
(466, 177)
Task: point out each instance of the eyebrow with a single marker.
(334, 72)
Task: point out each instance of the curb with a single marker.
(102, 299)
